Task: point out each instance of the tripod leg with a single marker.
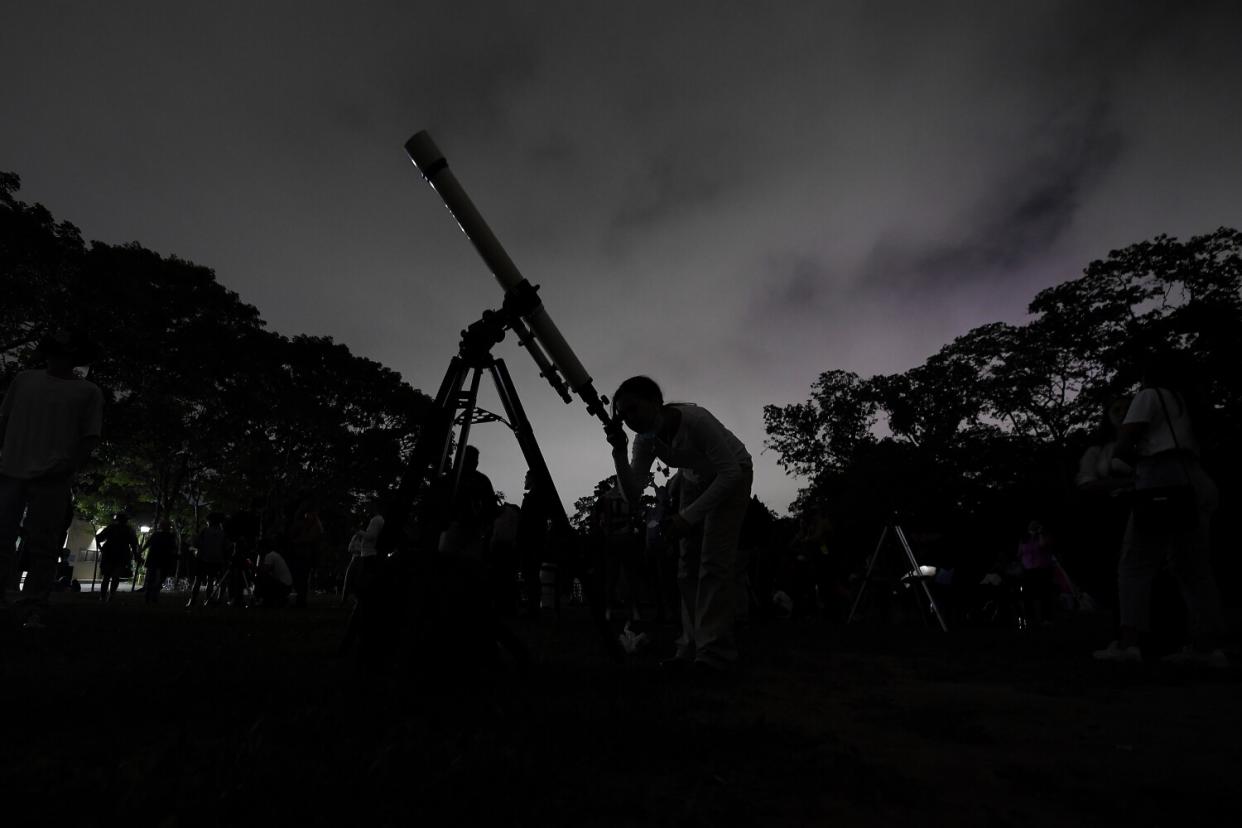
(430, 451)
(539, 467)
(867, 578)
(914, 567)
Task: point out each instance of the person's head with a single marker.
(165, 525)
(1035, 528)
(1111, 417)
(63, 349)
(471, 461)
(637, 402)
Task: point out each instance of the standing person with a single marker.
(472, 512)
(1174, 499)
(532, 541)
(1102, 513)
(364, 568)
(50, 421)
(306, 539)
(118, 550)
(716, 475)
(621, 550)
(213, 550)
(161, 559)
(1035, 555)
(273, 580)
(242, 528)
(503, 559)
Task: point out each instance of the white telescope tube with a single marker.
(432, 164)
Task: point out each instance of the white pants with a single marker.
(707, 576)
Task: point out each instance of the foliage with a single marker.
(990, 426)
(205, 409)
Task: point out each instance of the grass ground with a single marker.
(129, 714)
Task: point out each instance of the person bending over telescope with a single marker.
(716, 474)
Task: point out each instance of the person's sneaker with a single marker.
(1198, 658)
(1115, 652)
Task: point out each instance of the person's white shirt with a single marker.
(371, 537)
(1158, 436)
(704, 448)
(274, 563)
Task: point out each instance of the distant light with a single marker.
(144, 529)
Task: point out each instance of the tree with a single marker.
(992, 423)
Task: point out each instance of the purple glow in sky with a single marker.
(729, 197)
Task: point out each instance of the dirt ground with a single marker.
(155, 716)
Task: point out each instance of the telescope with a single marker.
(534, 326)
(444, 431)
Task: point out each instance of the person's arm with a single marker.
(631, 472)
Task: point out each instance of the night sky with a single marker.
(729, 197)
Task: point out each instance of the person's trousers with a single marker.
(1188, 552)
(155, 580)
(40, 507)
(707, 579)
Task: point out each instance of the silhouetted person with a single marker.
(716, 478)
(161, 559)
(1101, 481)
(273, 580)
(50, 422)
(532, 540)
(213, 551)
(242, 528)
(363, 566)
(662, 555)
(1170, 519)
(1035, 556)
(621, 550)
(472, 511)
(502, 557)
(118, 550)
(306, 539)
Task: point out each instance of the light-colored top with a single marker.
(47, 418)
(371, 537)
(355, 544)
(1157, 437)
(275, 564)
(701, 445)
(1098, 463)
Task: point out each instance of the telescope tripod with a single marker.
(915, 572)
(439, 456)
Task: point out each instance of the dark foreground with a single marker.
(153, 716)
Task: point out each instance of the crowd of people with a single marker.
(701, 554)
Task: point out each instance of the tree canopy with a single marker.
(205, 408)
(991, 425)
